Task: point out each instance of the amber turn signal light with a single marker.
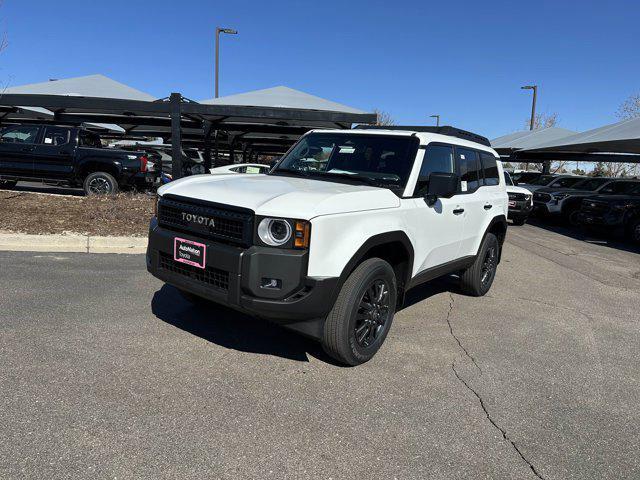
(301, 234)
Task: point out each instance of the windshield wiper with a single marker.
(292, 171)
(368, 180)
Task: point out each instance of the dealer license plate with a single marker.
(189, 252)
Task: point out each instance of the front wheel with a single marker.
(478, 278)
(100, 183)
(359, 321)
(634, 231)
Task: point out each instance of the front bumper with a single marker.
(609, 219)
(233, 277)
(519, 209)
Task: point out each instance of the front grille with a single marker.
(517, 196)
(541, 197)
(229, 225)
(595, 207)
(212, 277)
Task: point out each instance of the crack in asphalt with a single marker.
(495, 425)
(466, 352)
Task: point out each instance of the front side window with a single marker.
(56, 136)
(379, 160)
(21, 134)
(470, 173)
(437, 158)
(490, 168)
(619, 188)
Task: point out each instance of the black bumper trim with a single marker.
(301, 305)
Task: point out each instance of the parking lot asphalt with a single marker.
(107, 373)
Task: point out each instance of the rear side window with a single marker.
(470, 170)
(437, 158)
(56, 136)
(490, 168)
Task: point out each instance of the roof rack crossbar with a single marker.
(444, 130)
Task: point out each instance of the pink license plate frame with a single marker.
(188, 254)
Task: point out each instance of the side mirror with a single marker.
(441, 185)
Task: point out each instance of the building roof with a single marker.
(87, 86)
(620, 137)
(282, 97)
(529, 139)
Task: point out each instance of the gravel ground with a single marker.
(124, 214)
(109, 374)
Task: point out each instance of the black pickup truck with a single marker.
(62, 155)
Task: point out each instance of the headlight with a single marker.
(286, 233)
(560, 196)
(274, 231)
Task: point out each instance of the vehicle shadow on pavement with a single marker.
(449, 283)
(234, 330)
(606, 238)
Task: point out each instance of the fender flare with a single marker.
(375, 241)
(112, 164)
(498, 220)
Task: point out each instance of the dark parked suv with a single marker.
(73, 156)
(614, 212)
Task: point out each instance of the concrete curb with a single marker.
(16, 242)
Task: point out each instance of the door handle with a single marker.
(488, 207)
(27, 149)
(458, 211)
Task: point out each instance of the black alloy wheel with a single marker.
(373, 313)
(489, 265)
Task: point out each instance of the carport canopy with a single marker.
(529, 139)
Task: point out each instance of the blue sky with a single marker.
(465, 60)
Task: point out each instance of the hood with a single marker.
(570, 191)
(282, 196)
(516, 189)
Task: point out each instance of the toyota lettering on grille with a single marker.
(198, 219)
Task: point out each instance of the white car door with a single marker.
(436, 230)
(475, 199)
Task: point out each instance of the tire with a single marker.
(478, 278)
(8, 184)
(519, 221)
(633, 231)
(100, 183)
(573, 217)
(356, 327)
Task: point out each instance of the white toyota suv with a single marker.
(331, 239)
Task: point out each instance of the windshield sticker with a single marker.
(463, 185)
(347, 150)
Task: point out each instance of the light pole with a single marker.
(533, 104)
(218, 32)
(437, 117)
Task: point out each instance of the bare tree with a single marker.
(542, 120)
(384, 118)
(630, 108)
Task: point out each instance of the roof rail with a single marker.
(444, 130)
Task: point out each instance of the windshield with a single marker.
(590, 184)
(379, 160)
(507, 179)
(543, 180)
